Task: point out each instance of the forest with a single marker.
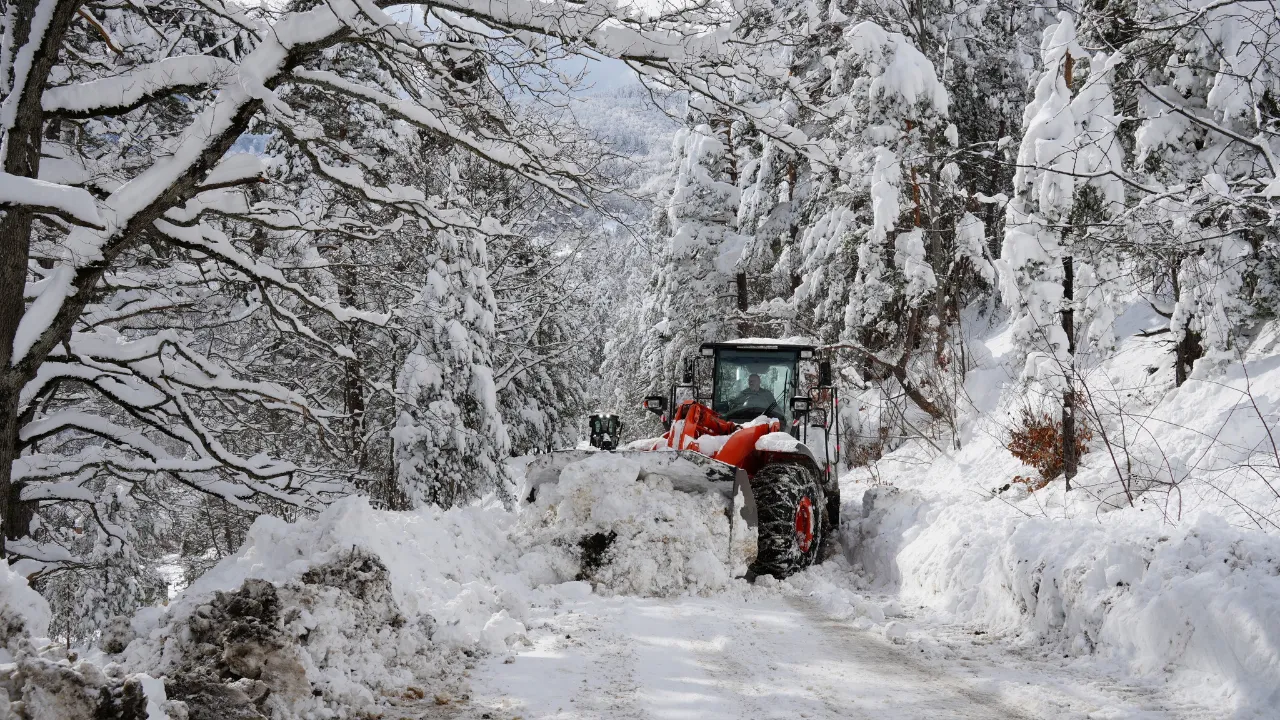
(261, 260)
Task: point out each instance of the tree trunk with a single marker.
(8, 453)
(353, 374)
(1188, 350)
(1070, 459)
(1185, 354)
(22, 158)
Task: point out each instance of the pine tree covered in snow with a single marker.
(450, 437)
(693, 284)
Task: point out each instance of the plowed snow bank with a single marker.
(1201, 599)
(367, 611)
(657, 541)
(1164, 559)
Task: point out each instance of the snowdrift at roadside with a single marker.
(1182, 583)
(458, 565)
(356, 609)
(1201, 599)
(368, 611)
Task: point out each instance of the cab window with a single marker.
(739, 398)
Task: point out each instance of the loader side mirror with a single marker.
(656, 404)
(687, 377)
(824, 373)
(800, 405)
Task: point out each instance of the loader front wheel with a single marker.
(791, 506)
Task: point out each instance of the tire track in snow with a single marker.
(879, 680)
(718, 659)
(768, 656)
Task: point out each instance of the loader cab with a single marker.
(751, 379)
(605, 429)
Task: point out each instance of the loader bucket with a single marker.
(687, 471)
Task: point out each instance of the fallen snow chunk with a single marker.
(896, 633)
(498, 629)
(574, 590)
(153, 690)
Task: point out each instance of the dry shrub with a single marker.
(1037, 441)
(865, 450)
(1033, 483)
(865, 454)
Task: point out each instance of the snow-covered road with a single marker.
(776, 656)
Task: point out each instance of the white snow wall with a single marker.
(1201, 600)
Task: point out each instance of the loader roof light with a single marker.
(708, 352)
(806, 354)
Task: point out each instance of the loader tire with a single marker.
(791, 507)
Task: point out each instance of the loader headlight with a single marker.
(800, 404)
(655, 404)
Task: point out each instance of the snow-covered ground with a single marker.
(1179, 586)
(780, 653)
(474, 613)
(607, 597)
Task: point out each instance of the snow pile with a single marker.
(1201, 598)
(601, 524)
(331, 641)
(458, 566)
(358, 610)
(1183, 583)
(40, 678)
(334, 638)
(23, 613)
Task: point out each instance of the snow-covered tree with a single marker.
(694, 283)
(1067, 183)
(450, 438)
(1202, 88)
(178, 310)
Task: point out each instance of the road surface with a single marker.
(779, 656)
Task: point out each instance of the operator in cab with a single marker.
(754, 396)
